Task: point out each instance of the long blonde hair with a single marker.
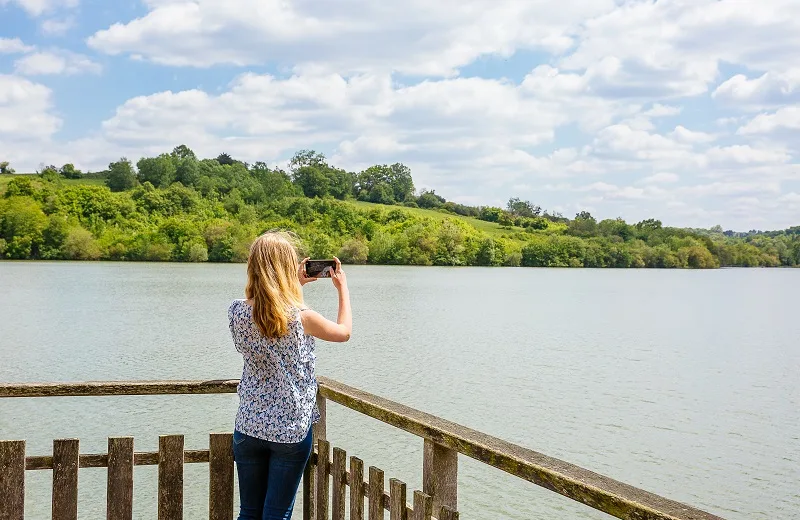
(272, 282)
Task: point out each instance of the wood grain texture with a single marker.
(64, 503)
(170, 477)
(440, 475)
(397, 500)
(376, 486)
(12, 480)
(220, 473)
(323, 480)
(119, 486)
(357, 489)
(423, 506)
(339, 476)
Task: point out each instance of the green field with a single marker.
(490, 228)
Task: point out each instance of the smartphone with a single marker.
(320, 268)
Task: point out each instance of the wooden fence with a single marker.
(326, 479)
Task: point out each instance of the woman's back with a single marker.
(278, 387)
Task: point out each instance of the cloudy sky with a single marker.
(683, 110)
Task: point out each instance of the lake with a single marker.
(684, 383)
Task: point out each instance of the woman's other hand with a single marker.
(302, 275)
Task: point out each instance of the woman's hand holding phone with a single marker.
(302, 275)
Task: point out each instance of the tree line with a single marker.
(177, 207)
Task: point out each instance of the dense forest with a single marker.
(176, 207)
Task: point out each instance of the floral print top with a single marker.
(278, 389)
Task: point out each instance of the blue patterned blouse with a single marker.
(278, 390)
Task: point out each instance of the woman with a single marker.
(274, 331)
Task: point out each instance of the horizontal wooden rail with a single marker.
(100, 460)
(101, 388)
(579, 484)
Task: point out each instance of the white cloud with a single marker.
(13, 46)
(55, 62)
(57, 27)
(661, 178)
(684, 135)
(38, 7)
(25, 112)
(770, 89)
(786, 118)
(659, 110)
(604, 116)
(674, 47)
(413, 37)
(746, 154)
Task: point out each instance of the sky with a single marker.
(683, 110)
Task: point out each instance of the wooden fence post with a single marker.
(323, 479)
(119, 486)
(356, 489)
(220, 473)
(397, 500)
(65, 479)
(339, 474)
(423, 506)
(320, 427)
(375, 493)
(12, 480)
(170, 477)
(308, 489)
(440, 475)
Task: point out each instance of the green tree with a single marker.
(522, 208)
(396, 176)
(354, 251)
(5, 168)
(68, 171)
(225, 159)
(183, 152)
(79, 244)
(305, 158)
(21, 186)
(381, 193)
(429, 199)
(159, 171)
(583, 225)
(120, 175)
(22, 223)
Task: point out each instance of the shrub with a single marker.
(354, 251)
(80, 245)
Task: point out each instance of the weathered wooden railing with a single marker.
(324, 482)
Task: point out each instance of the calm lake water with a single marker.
(685, 383)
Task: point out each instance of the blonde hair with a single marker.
(272, 282)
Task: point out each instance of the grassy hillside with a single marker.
(217, 215)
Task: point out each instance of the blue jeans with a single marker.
(269, 475)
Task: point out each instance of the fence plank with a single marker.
(339, 474)
(65, 479)
(440, 475)
(220, 472)
(423, 506)
(375, 493)
(356, 489)
(448, 514)
(397, 500)
(323, 479)
(308, 489)
(170, 477)
(119, 486)
(12, 480)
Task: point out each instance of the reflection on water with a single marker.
(683, 383)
